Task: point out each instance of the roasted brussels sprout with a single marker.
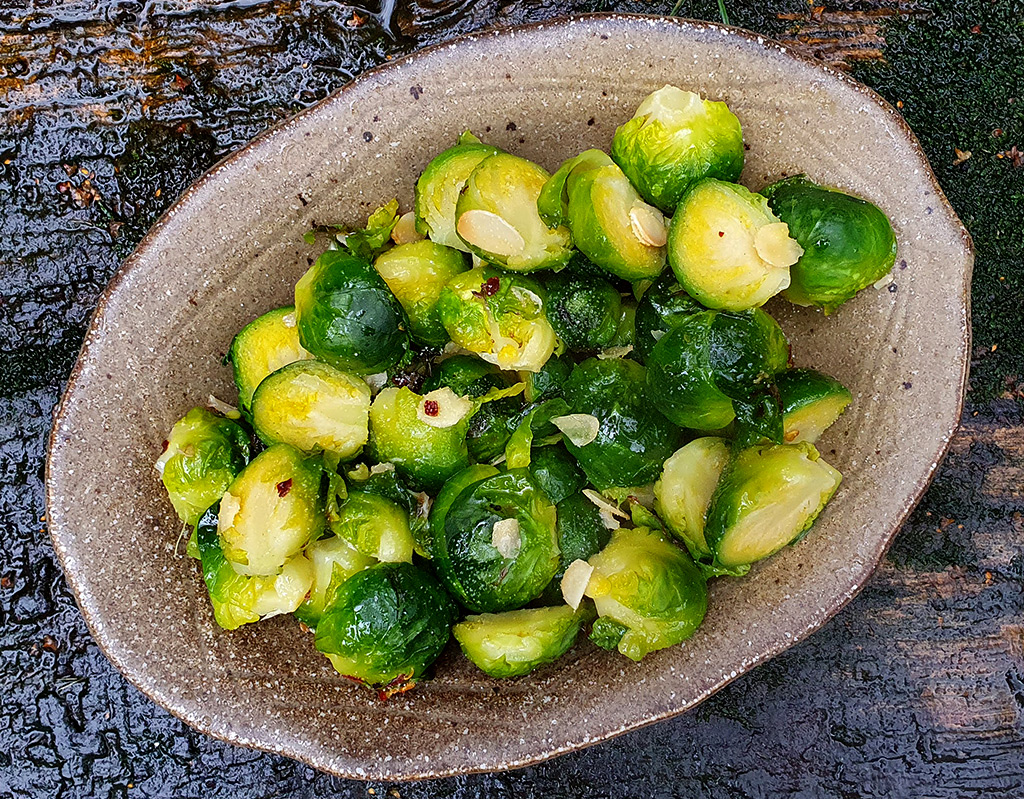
(673, 140)
(650, 587)
(728, 249)
(549, 381)
(315, 407)
(348, 316)
(201, 457)
(271, 511)
(631, 438)
(584, 311)
(683, 493)
(516, 642)
(239, 599)
(437, 190)
(263, 346)
(416, 273)
(811, 403)
(497, 216)
(556, 472)
(498, 547)
(385, 625)
(767, 497)
(500, 317)
(375, 526)
(664, 305)
(848, 243)
(334, 560)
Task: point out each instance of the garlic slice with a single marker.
(505, 538)
(580, 428)
(443, 408)
(575, 582)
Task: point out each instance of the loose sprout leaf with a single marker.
(517, 451)
(604, 504)
(368, 242)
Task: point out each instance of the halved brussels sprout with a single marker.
(500, 317)
(673, 140)
(497, 217)
(633, 438)
(848, 243)
(314, 407)
(203, 453)
(767, 498)
(416, 273)
(683, 493)
(811, 403)
(498, 547)
(437, 190)
(334, 560)
(263, 346)
(650, 587)
(375, 526)
(664, 305)
(549, 381)
(728, 249)
(556, 472)
(516, 642)
(238, 599)
(348, 316)
(553, 200)
(271, 510)
(385, 625)
(584, 311)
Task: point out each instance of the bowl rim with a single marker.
(209, 726)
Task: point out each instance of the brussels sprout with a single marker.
(553, 200)
(728, 249)
(385, 625)
(582, 533)
(584, 311)
(549, 381)
(516, 642)
(758, 418)
(405, 433)
(348, 316)
(314, 407)
(454, 486)
(437, 190)
(375, 526)
(633, 438)
(334, 560)
(811, 403)
(498, 547)
(710, 358)
(201, 457)
(664, 305)
(626, 334)
(263, 346)
(649, 586)
(606, 633)
(271, 510)
(683, 493)
(466, 375)
(238, 599)
(848, 243)
(767, 497)
(556, 472)
(673, 140)
(497, 216)
(500, 317)
(416, 273)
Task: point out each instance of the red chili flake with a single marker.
(431, 408)
(489, 288)
(284, 487)
(976, 29)
(49, 644)
(997, 133)
(721, 233)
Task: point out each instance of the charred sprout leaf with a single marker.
(376, 527)
(683, 493)
(584, 311)
(811, 403)
(334, 560)
(263, 346)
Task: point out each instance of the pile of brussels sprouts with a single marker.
(500, 416)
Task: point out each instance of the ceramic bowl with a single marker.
(232, 248)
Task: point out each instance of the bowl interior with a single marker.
(232, 248)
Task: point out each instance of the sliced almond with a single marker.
(648, 225)
(443, 408)
(505, 538)
(491, 233)
(580, 428)
(575, 581)
(775, 246)
(405, 231)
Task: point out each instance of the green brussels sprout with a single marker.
(626, 334)
(811, 403)
(498, 547)
(606, 633)
(271, 511)
(454, 486)
(423, 436)
(728, 249)
(650, 587)
(500, 317)
(238, 599)
(683, 492)
(549, 381)
(664, 305)
(437, 190)
(673, 140)
(348, 316)
(375, 526)
(848, 243)
(416, 272)
(582, 533)
(516, 642)
(385, 625)
(584, 311)
(710, 358)
(334, 560)
(556, 472)
(314, 407)
(466, 375)
(767, 498)
(263, 346)
(758, 418)
(632, 438)
(203, 453)
(497, 217)
(383, 480)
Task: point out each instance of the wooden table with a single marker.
(111, 108)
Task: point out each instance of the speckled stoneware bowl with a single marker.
(232, 248)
